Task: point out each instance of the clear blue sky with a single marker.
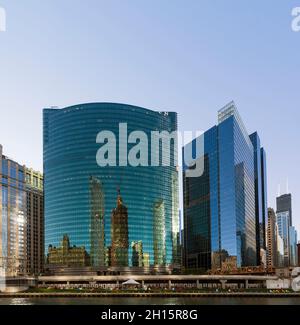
(188, 56)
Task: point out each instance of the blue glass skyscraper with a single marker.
(219, 206)
(109, 211)
(260, 194)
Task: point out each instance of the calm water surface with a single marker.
(151, 301)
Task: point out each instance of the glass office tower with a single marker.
(260, 195)
(107, 210)
(283, 219)
(219, 206)
(12, 217)
(293, 247)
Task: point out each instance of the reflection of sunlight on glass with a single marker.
(20, 301)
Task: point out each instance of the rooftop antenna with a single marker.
(278, 193)
(287, 186)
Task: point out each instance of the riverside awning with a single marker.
(130, 282)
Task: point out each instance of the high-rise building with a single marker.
(287, 231)
(264, 191)
(293, 254)
(80, 193)
(271, 240)
(260, 194)
(12, 217)
(283, 222)
(284, 204)
(280, 249)
(21, 218)
(219, 206)
(35, 221)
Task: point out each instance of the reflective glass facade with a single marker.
(260, 194)
(282, 219)
(201, 208)
(12, 217)
(293, 247)
(137, 226)
(219, 206)
(264, 194)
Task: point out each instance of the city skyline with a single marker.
(191, 72)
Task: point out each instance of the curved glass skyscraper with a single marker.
(116, 215)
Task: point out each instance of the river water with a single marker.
(152, 301)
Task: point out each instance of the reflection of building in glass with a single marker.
(67, 255)
(146, 259)
(70, 151)
(219, 206)
(108, 256)
(119, 234)
(159, 233)
(137, 254)
(175, 220)
(12, 217)
(98, 251)
(35, 221)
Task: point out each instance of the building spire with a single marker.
(278, 193)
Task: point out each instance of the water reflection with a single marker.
(152, 301)
(18, 301)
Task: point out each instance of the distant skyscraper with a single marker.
(271, 240)
(288, 232)
(35, 221)
(260, 194)
(283, 221)
(280, 249)
(284, 204)
(119, 234)
(219, 206)
(293, 254)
